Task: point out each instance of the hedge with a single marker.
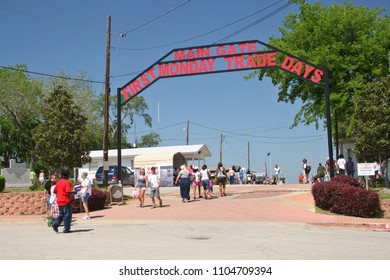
(339, 196)
(2, 183)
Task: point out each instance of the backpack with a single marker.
(307, 168)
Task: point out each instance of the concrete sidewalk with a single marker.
(251, 222)
(251, 203)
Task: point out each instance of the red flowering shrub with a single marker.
(346, 179)
(357, 202)
(339, 197)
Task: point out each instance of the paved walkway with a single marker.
(250, 223)
(251, 203)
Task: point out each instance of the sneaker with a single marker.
(55, 227)
(86, 218)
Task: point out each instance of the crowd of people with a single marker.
(58, 193)
(341, 166)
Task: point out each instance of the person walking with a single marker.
(86, 190)
(196, 184)
(306, 167)
(321, 171)
(205, 179)
(221, 178)
(232, 175)
(53, 197)
(184, 181)
(47, 193)
(141, 185)
(63, 193)
(341, 163)
(154, 185)
(277, 173)
(350, 166)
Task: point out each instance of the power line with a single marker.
(253, 23)
(123, 34)
(50, 75)
(256, 136)
(203, 34)
(212, 31)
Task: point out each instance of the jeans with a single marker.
(65, 214)
(185, 188)
(48, 204)
(231, 180)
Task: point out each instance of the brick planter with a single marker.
(27, 203)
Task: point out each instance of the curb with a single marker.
(364, 226)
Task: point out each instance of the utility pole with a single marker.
(106, 104)
(336, 128)
(187, 131)
(220, 149)
(249, 157)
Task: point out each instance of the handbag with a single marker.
(135, 193)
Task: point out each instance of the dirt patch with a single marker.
(385, 205)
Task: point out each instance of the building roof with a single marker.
(188, 151)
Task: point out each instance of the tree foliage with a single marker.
(352, 42)
(20, 98)
(372, 123)
(136, 108)
(60, 139)
(149, 140)
(90, 104)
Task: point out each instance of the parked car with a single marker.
(127, 175)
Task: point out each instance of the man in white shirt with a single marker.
(341, 164)
(154, 187)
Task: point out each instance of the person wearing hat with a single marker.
(63, 193)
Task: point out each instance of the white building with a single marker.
(173, 156)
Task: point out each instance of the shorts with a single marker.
(206, 184)
(221, 180)
(85, 198)
(195, 183)
(154, 192)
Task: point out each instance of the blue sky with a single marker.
(51, 36)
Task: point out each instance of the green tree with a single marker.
(60, 138)
(137, 107)
(20, 99)
(80, 87)
(352, 42)
(149, 140)
(372, 123)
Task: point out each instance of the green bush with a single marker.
(339, 196)
(2, 183)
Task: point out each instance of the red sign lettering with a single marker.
(230, 57)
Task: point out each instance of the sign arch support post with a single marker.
(220, 58)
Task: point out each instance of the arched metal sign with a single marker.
(219, 58)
